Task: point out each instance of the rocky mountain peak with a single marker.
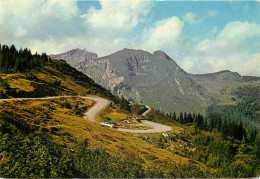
(75, 56)
(138, 74)
(160, 53)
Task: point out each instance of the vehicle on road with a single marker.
(108, 124)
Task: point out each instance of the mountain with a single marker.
(54, 139)
(223, 84)
(225, 75)
(152, 79)
(75, 57)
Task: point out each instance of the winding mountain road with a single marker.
(92, 112)
(156, 128)
(99, 105)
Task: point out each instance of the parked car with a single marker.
(108, 124)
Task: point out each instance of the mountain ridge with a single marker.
(58, 56)
(157, 80)
(138, 74)
(227, 74)
(79, 54)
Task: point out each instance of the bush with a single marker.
(67, 105)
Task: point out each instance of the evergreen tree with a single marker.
(185, 118)
(219, 124)
(252, 135)
(240, 131)
(199, 122)
(224, 129)
(17, 65)
(174, 116)
(211, 124)
(181, 118)
(190, 120)
(124, 105)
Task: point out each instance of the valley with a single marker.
(51, 115)
(129, 89)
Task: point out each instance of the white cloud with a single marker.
(26, 20)
(20, 32)
(230, 49)
(191, 18)
(163, 34)
(56, 26)
(250, 66)
(118, 15)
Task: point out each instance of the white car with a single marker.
(108, 124)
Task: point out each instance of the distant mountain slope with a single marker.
(225, 75)
(158, 81)
(223, 84)
(75, 57)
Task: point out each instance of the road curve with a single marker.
(92, 112)
(156, 128)
(147, 111)
(100, 104)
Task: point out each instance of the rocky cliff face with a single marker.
(152, 79)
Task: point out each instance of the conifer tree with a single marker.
(185, 118)
(224, 129)
(181, 118)
(174, 116)
(190, 118)
(124, 105)
(240, 131)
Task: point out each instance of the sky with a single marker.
(201, 36)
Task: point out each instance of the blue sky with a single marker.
(201, 36)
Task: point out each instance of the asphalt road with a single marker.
(156, 128)
(99, 105)
(92, 112)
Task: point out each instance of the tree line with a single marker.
(227, 127)
(186, 118)
(13, 60)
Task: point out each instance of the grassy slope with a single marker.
(40, 82)
(222, 90)
(65, 126)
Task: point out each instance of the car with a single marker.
(106, 123)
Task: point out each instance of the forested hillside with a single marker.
(229, 147)
(246, 110)
(31, 75)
